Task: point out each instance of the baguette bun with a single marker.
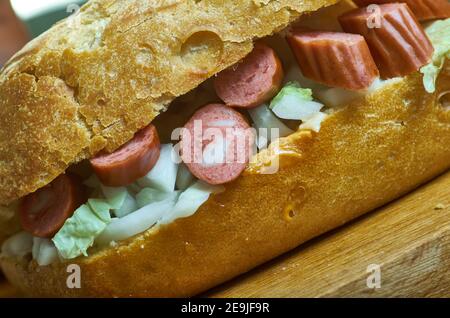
(366, 154)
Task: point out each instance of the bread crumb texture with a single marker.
(96, 78)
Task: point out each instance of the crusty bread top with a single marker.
(96, 78)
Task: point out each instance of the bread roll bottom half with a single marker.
(367, 152)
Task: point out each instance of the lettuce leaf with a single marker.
(292, 88)
(439, 34)
(80, 231)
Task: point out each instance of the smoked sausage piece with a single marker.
(335, 59)
(130, 162)
(44, 212)
(254, 81)
(396, 40)
(216, 144)
(423, 9)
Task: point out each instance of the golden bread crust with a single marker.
(366, 154)
(96, 78)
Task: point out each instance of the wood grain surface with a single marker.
(409, 241)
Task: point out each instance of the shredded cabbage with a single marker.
(134, 188)
(148, 196)
(295, 103)
(184, 177)
(135, 223)
(264, 119)
(44, 251)
(120, 200)
(315, 122)
(293, 88)
(190, 201)
(164, 174)
(79, 232)
(19, 245)
(36, 245)
(439, 34)
(334, 97)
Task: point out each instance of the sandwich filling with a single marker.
(290, 81)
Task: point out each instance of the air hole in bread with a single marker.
(296, 199)
(289, 212)
(292, 213)
(101, 102)
(444, 100)
(202, 52)
(145, 55)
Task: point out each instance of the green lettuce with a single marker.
(439, 34)
(293, 88)
(295, 103)
(90, 220)
(80, 231)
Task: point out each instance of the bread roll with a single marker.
(96, 95)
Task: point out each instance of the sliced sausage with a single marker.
(216, 144)
(397, 41)
(44, 212)
(423, 9)
(333, 58)
(254, 81)
(131, 161)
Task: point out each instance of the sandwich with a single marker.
(160, 148)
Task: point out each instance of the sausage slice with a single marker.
(423, 9)
(333, 58)
(131, 161)
(216, 144)
(398, 44)
(254, 81)
(44, 212)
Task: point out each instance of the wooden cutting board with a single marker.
(403, 248)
